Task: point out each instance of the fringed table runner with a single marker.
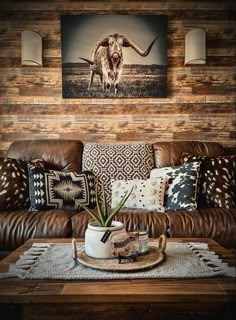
(54, 261)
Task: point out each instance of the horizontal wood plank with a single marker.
(200, 103)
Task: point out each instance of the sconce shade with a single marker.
(31, 49)
(195, 47)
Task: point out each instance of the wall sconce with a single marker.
(195, 47)
(31, 48)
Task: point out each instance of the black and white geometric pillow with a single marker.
(117, 161)
(14, 185)
(50, 189)
(181, 192)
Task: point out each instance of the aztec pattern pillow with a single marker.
(146, 194)
(50, 189)
(217, 185)
(117, 161)
(181, 191)
(14, 187)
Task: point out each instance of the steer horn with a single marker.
(128, 43)
(87, 60)
(102, 42)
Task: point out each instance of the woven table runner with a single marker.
(54, 261)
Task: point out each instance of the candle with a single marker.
(74, 250)
(143, 241)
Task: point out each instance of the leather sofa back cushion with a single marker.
(117, 161)
(169, 153)
(61, 155)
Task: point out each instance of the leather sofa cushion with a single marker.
(20, 225)
(216, 223)
(62, 155)
(169, 153)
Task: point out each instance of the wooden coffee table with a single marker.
(212, 298)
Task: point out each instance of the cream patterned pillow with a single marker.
(147, 194)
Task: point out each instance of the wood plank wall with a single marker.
(201, 99)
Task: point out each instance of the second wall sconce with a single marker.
(31, 48)
(195, 47)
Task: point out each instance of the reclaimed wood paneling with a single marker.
(201, 99)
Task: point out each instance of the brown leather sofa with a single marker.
(66, 155)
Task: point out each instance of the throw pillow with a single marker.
(117, 161)
(146, 194)
(181, 191)
(217, 180)
(50, 189)
(14, 187)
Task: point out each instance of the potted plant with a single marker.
(98, 232)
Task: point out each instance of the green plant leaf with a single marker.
(117, 208)
(90, 212)
(104, 209)
(99, 209)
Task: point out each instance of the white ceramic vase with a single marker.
(94, 247)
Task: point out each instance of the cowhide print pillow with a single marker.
(14, 185)
(181, 191)
(51, 189)
(217, 185)
(147, 194)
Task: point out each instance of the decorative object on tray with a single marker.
(98, 233)
(125, 247)
(129, 245)
(154, 257)
(143, 238)
(74, 249)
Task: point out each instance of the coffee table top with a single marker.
(215, 290)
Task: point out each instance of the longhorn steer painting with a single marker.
(114, 56)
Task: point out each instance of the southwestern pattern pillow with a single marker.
(117, 161)
(50, 189)
(181, 191)
(217, 185)
(14, 187)
(146, 194)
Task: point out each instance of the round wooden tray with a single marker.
(154, 257)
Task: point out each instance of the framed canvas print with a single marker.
(116, 56)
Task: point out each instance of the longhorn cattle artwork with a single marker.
(114, 56)
(107, 59)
